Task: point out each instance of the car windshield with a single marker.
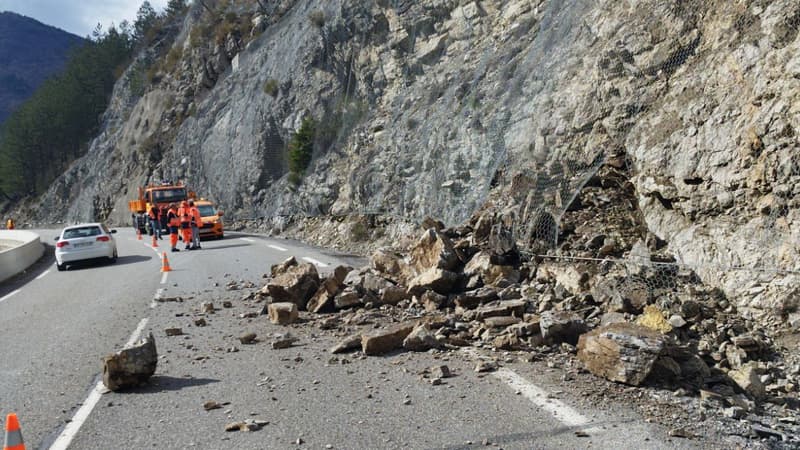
(81, 232)
(169, 195)
(206, 210)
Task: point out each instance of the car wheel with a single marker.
(220, 237)
(61, 267)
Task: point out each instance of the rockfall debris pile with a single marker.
(609, 300)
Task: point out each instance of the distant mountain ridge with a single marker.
(30, 51)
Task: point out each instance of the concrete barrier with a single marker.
(18, 251)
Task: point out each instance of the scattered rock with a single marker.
(173, 331)
(207, 307)
(348, 344)
(209, 405)
(248, 338)
(200, 322)
(246, 425)
(283, 341)
(441, 371)
(132, 366)
(283, 313)
(485, 366)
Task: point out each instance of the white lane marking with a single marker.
(247, 239)
(278, 248)
(164, 278)
(539, 397)
(9, 295)
(71, 430)
(314, 261)
(43, 274)
(156, 297)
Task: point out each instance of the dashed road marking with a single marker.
(43, 274)
(539, 397)
(314, 261)
(9, 295)
(164, 278)
(156, 297)
(71, 429)
(278, 248)
(247, 239)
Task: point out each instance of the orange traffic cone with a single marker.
(13, 439)
(165, 263)
(155, 242)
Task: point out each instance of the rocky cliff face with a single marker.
(436, 107)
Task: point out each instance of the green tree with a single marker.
(146, 20)
(301, 148)
(52, 128)
(175, 8)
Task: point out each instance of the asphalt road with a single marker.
(56, 327)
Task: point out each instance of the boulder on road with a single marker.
(322, 300)
(434, 251)
(386, 340)
(132, 366)
(279, 269)
(296, 285)
(622, 352)
(421, 339)
(282, 313)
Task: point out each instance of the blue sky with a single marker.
(78, 16)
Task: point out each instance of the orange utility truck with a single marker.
(160, 195)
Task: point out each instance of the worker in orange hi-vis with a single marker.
(197, 222)
(173, 222)
(186, 223)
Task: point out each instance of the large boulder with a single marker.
(561, 326)
(386, 340)
(439, 280)
(389, 264)
(132, 366)
(482, 268)
(622, 352)
(322, 300)
(280, 269)
(296, 285)
(421, 339)
(433, 251)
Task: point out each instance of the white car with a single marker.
(83, 242)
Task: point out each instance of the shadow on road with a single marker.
(163, 383)
(531, 437)
(220, 247)
(122, 260)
